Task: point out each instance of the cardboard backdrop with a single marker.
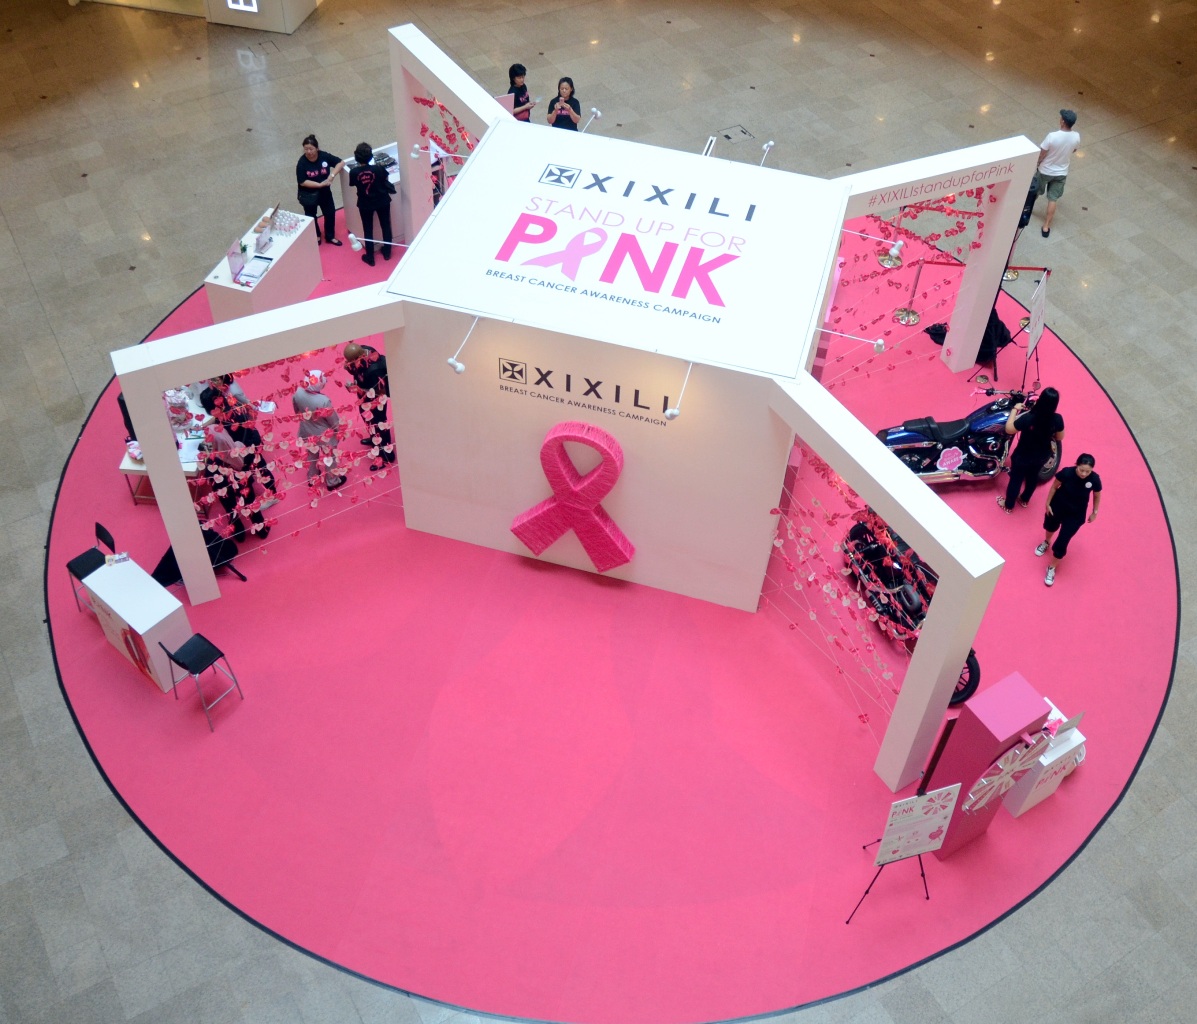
(695, 493)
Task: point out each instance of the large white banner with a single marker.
(698, 258)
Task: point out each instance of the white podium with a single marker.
(136, 613)
(293, 275)
(264, 15)
(353, 219)
(1062, 757)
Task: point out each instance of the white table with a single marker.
(137, 477)
(136, 613)
(349, 210)
(293, 275)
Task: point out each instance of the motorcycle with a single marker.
(899, 585)
(974, 448)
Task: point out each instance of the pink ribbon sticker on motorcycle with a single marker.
(575, 501)
(570, 258)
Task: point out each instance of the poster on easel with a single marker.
(917, 825)
(1038, 313)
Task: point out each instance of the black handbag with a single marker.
(221, 552)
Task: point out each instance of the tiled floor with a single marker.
(133, 143)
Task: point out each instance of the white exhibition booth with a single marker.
(591, 280)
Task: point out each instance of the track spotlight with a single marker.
(674, 412)
(355, 243)
(459, 367)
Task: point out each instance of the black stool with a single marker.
(195, 657)
(82, 566)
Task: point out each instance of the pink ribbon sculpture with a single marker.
(575, 501)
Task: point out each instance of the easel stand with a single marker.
(1022, 326)
(1025, 322)
(869, 887)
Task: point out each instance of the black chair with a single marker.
(195, 657)
(82, 566)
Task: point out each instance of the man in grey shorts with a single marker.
(1055, 151)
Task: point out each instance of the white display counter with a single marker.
(265, 15)
(293, 274)
(136, 614)
(353, 219)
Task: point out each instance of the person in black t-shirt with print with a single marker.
(314, 172)
(226, 404)
(368, 368)
(565, 111)
(522, 102)
(1036, 429)
(374, 191)
(1067, 503)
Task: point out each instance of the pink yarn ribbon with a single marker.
(570, 258)
(575, 504)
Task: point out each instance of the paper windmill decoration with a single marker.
(1004, 772)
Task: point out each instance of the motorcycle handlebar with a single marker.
(995, 391)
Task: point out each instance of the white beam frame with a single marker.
(420, 68)
(146, 371)
(968, 567)
(1010, 162)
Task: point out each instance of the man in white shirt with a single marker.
(1055, 151)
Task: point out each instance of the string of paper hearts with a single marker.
(282, 455)
(807, 582)
(350, 503)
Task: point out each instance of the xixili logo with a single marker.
(565, 177)
(513, 372)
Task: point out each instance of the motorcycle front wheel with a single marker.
(1052, 466)
(970, 679)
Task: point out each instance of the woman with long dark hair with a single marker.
(1036, 429)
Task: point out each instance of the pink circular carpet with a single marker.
(540, 793)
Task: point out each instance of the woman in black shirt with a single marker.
(522, 103)
(374, 191)
(1067, 503)
(314, 173)
(564, 111)
(1036, 429)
